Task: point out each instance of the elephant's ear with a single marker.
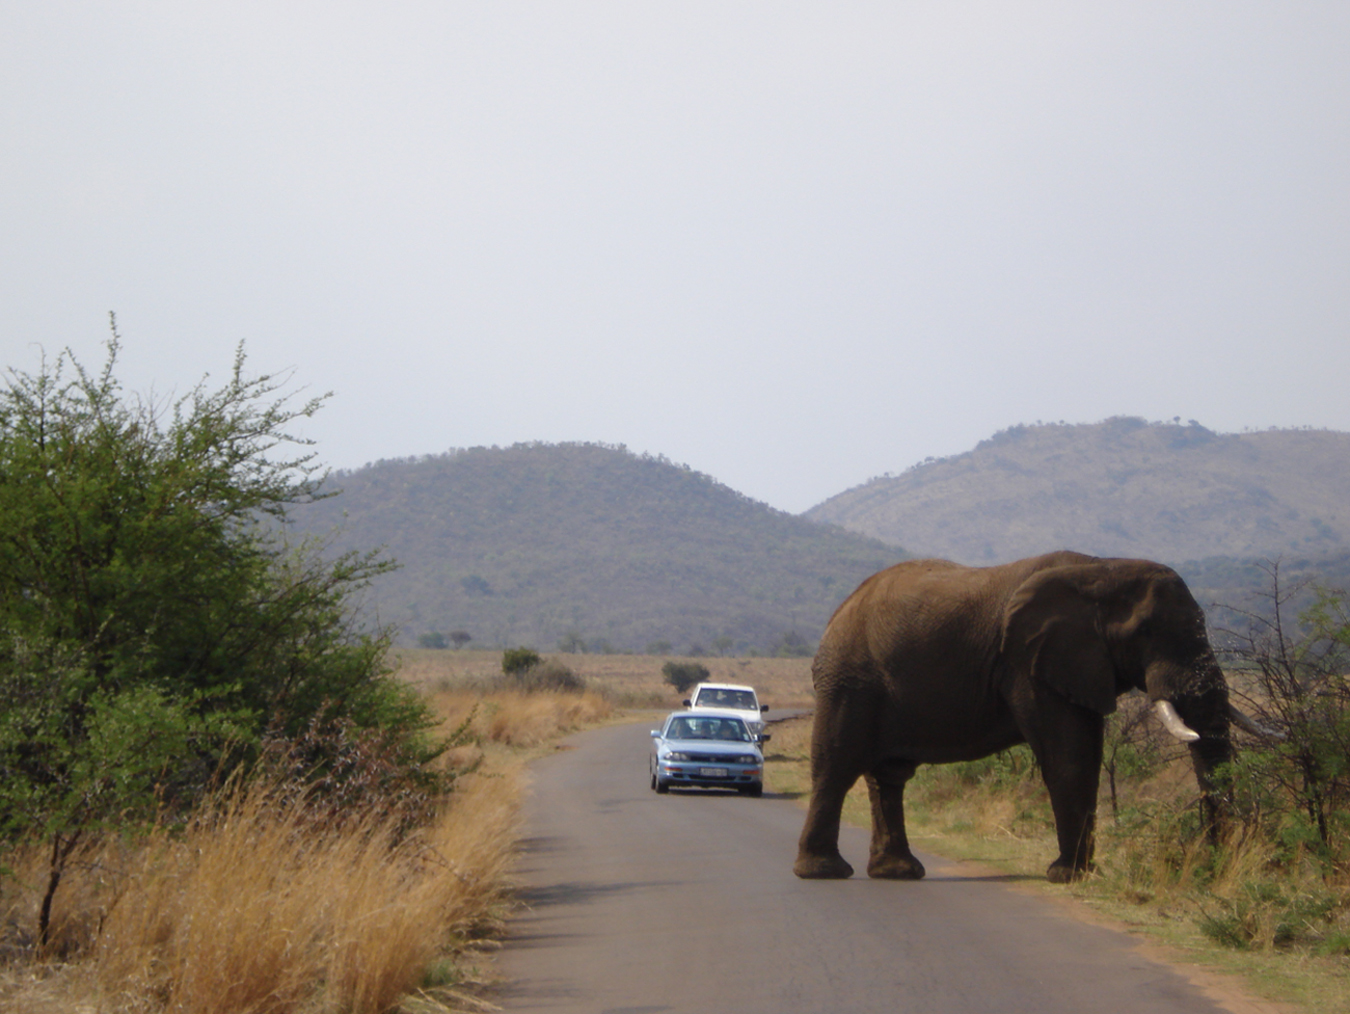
(1052, 628)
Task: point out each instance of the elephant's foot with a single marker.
(1061, 872)
(891, 867)
(832, 867)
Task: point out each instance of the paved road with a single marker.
(642, 904)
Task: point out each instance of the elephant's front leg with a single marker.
(1070, 754)
(890, 856)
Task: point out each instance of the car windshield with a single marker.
(708, 727)
(744, 700)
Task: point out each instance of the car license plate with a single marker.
(713, 772)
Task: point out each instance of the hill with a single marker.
(574, 545)
(1123, 487)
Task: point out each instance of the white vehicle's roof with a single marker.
(724, 686)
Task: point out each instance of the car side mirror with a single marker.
(764, 737)
(687, 704)
(763, 707)
(656, 734)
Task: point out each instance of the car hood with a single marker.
(712, 746)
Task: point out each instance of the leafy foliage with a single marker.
(155, 626)
(683, 675)
(1296, 685)
(523, 669)
(518, 660)
(549, 674)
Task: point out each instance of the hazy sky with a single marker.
(793, 245)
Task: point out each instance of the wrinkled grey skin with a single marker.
(931, 662)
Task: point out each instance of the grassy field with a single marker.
(996, 814)
(627, 680)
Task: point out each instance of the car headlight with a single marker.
(747, 759)
(675, 755)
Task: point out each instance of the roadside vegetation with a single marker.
(274, 895)
(217, 794)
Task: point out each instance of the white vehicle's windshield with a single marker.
(708, 727)
(743, 700)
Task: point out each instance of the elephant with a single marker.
(931, 662)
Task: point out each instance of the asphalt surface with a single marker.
(686, 902)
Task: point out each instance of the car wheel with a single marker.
(662, 787)
(754, 791)
(653, 781)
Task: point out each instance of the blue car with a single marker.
(706, 749)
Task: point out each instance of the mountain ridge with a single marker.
(589, 545)
(1121, 487)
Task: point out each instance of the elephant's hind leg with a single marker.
(839, 738)
(890, 857)
(818, 855)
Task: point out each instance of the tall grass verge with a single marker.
(265, 905)
(519, 718)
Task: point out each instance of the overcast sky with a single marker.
(792, 245)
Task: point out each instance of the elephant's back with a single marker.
(925, 596)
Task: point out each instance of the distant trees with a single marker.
(475, 584)
(683, 675)
(792, 645)
(435, 639)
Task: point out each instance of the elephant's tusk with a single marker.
(1251, 725)
(1172, 722)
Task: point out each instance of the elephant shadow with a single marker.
(984, 878)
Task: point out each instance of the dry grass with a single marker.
(515, 719)
(626, 680)
(262, 905)
(256, 908)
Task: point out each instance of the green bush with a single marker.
(540, 675)
(519, 660)
(155, 625)
(683, 675)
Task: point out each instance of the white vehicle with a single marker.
(733, 697)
